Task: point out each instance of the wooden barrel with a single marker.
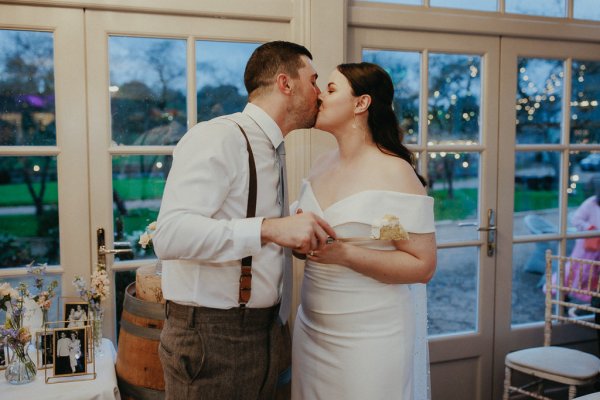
(139, 371)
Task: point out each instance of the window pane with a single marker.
(545, 8)
(405, 70)
(138, 183)
(529, 266)
(33, 317)
(453, 292)
(26, 89)
(148, 90)
(453, 178)
(585, 99)
(537, 176)
(28, 211)
(122, 279)
(583, 168)
(481, 5)
(220, 77)
(586, 9)
(454, 101)
(539, 99)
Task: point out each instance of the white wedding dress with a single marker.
(355, 337)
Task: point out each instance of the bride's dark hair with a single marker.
(371, 79)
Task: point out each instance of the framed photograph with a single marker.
(3, 355)
(70, 352)
(76, 314)
(45, 344)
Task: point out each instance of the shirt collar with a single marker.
(265, 122)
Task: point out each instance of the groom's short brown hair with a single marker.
(270, 59)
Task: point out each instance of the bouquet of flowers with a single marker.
(97, 292)
(16, 335)
(44, 296)
(94, 295)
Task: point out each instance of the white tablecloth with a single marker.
(104, 387)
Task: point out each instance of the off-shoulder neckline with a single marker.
(362, 192)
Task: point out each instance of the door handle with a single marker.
(103, 250)
(491, 232)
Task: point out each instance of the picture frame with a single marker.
(3, 355)
(45, 344)
(76, 314)
(70, 356)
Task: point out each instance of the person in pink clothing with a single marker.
(585, 218)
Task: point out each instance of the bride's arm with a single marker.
(413, 261)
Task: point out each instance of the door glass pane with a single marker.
(27, 89)
(585, 102)
(405, 70)
(537, 176)
(454, 182)
(586, 9)
(122, 280)
(545, 8)
(539, 99)
(480, 5)
(220, 77)
(138, 183)
(28, 211)
(584, 167)
(147, 90)
(529, 266)
(454, 101)
(453, 292)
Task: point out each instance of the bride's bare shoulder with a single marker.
(397, 174)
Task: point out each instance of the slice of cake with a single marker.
(388, 228)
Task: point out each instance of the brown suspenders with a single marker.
(246, 269)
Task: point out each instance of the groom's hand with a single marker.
(303, 232)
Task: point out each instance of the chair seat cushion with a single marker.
(556, 360)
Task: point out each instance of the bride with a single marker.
(360, 331)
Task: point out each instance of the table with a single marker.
(104, 387)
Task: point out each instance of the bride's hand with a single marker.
(333, 253)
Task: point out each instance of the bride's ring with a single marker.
(311, 253)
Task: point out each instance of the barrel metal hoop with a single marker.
(140, 331)
(139, 392)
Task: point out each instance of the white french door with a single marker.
(447, 99)
(154, 77)
(549, 126)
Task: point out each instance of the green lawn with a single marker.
(129, 189)
(17, 194)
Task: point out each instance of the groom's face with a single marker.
(305, 101)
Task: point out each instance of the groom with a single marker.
(215, 345)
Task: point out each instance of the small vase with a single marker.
(44, 317)
(96, 319)
(159, 267)
(21, 368)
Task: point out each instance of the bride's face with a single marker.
(337, 104)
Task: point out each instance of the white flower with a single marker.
(147, 236)
(145, 240)
(7, 290)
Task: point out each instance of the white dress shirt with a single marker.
(202, 230)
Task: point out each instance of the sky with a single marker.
(216, 62)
